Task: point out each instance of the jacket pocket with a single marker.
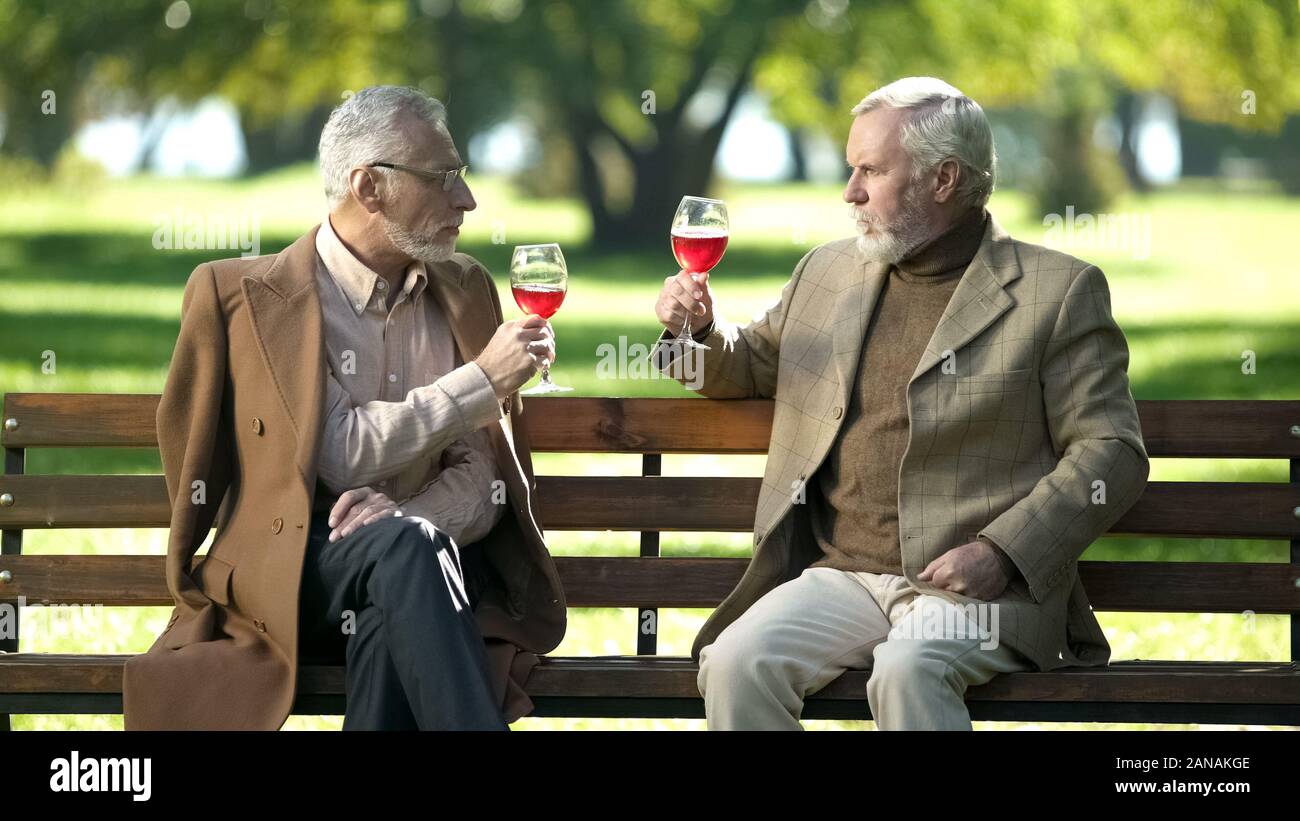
(213, 579)
(995, 382)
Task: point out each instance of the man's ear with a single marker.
(947, 175)
(364, 184)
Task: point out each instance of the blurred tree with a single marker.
(1076, 61)
(646, 86)
(1078, 173)
(282, 63)
(634, 95)
(641, 92)
(45, 62)
(1230, 62)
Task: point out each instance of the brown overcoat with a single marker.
(239, 427)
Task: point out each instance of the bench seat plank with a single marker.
(675, 677)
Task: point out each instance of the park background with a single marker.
(1159, 140)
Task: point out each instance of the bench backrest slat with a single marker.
(1247, 510)
(1259, 429)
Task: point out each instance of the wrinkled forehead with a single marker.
(875, 137)
(426, 146)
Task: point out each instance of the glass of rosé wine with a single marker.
(699, 235)
(539, 280)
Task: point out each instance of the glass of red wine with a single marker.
(699, 234)
(539, 280)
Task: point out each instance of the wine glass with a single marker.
(539, 280)
(699, 235)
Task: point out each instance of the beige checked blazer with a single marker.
(1022, 428)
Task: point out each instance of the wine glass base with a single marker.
(545, 387)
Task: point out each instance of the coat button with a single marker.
(257, 426)
(837, 412)
(277, 525)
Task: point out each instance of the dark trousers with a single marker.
(393, 602)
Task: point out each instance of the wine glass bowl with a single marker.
(539, 281)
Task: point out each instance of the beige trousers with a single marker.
(923, 652)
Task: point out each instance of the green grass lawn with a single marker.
(1211, 278)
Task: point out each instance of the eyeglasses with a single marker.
(448, 177)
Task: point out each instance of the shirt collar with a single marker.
(417, 278)
(357, 281)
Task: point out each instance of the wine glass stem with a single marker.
(546, 374)
(686, 325)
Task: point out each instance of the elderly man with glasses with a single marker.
(346, 413)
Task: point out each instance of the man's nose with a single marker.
(855, 193)
(462, 199)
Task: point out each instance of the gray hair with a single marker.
(361, 131)
(943, 124)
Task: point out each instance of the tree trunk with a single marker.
(798, 156)
(679, 164)
(1127, 110)
(37, 136)
(288, 141)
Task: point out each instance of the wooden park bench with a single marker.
(649, 685)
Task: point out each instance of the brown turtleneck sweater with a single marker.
(855, 515)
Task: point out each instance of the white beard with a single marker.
(891, 243)
(424, 249)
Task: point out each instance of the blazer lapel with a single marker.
(285, 310)
(471, 324)
(979, 299)
(859, 285)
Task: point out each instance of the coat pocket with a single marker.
(995, 382)
(213, 579)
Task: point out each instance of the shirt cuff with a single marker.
(470, 391)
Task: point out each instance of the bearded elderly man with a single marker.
(953, 426)
(351, 403)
